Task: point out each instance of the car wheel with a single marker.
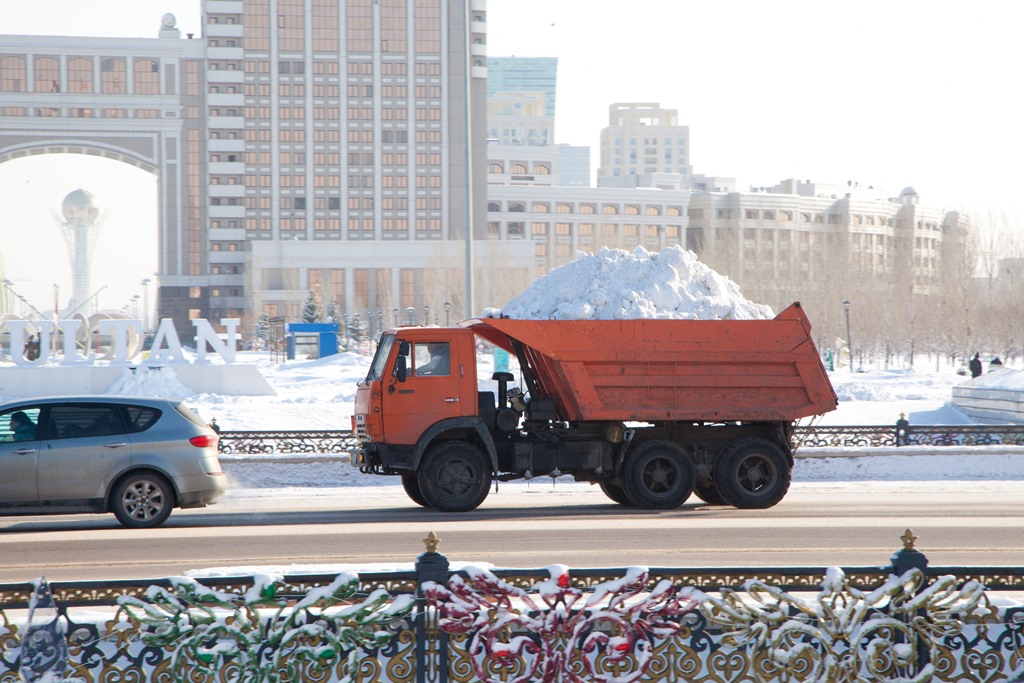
(411, 484)
(454, 477)
(752, 474)
(142, 500)
(658, 476)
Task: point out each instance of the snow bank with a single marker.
(614, 284)
(155, 382)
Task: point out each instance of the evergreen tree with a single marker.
(311, 309)
(262, 336)
(332, 315)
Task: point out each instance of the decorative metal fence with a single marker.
(287, 442)
(902, 622)
(878, 437)
(343, 441)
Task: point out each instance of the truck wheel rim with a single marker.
(756, 474)
(456, 478)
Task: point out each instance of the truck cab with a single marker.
(421, 381)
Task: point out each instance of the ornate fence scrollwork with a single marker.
(343, 442)
(287, 442)
(263, 635)
(557, 631)
(900, 623)
(892, 633)
(880, 436)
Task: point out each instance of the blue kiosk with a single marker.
(324, 338)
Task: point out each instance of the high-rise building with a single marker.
(300, 145)
(352, 139)
(539, 192)
(643, 138)
(524, 74)
(573, 165)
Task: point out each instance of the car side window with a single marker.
(140, 419)
(19, 424)
(76, 421)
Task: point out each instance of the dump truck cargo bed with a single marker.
(652, 370)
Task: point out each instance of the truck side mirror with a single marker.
(402, 363)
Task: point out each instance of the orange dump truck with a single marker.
(650, 410)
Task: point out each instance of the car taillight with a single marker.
(203, 440)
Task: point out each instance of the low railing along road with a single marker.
(876, 436)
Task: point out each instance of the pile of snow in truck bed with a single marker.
(615, 284)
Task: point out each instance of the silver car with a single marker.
(135, 457)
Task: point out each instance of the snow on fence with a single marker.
(901, 622)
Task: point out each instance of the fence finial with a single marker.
(908, 557)
(432, 541)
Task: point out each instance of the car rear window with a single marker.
(140, 419)
(187, 413)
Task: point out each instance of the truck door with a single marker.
(434, 389)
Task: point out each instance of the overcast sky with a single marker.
(890, 94)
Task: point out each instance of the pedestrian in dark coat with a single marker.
(975, 366)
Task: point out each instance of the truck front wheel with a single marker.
(752, 474)
(658, 476)
(411, 484)
(454, 477)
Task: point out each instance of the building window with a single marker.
(47, 74)
(146, 77)
(80, 75)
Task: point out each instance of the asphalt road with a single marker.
(978, 523)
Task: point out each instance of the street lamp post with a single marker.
(426, 314)
(145, 304)
(447, 313)
(394, 312)
(408, 315)
(849, 342)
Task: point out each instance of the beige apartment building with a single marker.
(824, 244)
(643, 138)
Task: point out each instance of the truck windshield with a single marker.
(381, 357)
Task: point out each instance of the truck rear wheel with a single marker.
(454, 477)
(752, 474)
(616, 493)
(658, 476)
(411, 484)
(709, 493)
